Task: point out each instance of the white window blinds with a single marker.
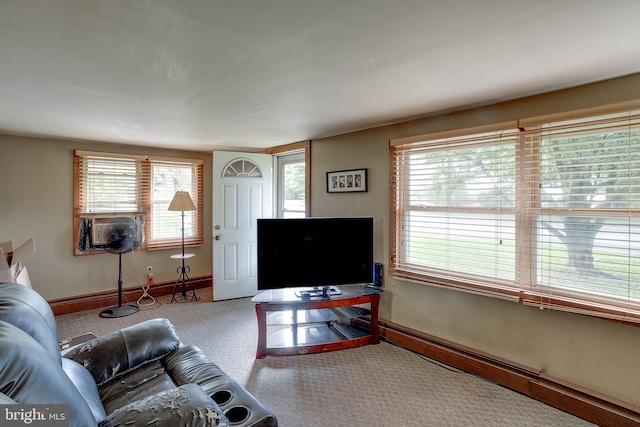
(112, 185)
(167, 177)
(109, 184)
(548, 216)
(587, 225)
(455, 206)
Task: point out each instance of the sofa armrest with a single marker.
(124, 349)
(186, 405)
(28, 375)
(86, 385)
(189, 364)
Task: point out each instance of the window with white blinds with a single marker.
(549, 215)
(167, 177)
(455, 211)
(112, 185)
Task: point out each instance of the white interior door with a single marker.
(242, 188)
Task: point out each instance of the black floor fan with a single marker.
(120, 235)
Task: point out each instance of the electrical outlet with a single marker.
(149, 270)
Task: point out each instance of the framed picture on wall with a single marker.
(347, 181)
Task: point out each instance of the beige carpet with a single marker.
(377, 385)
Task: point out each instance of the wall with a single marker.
(37, 201)
(593, 353)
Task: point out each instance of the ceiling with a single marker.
(220, 74)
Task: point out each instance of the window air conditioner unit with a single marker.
(99, 223)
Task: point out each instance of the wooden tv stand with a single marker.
(288, 325)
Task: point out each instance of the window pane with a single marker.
(594, 254)
(585, 171)
(290, 194)
(587, 233)
(294, 190)
(167, 178)
(458, 204)
(112, 185)
(470, 177)
(472, 243)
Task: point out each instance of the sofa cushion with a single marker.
(144, 381)
(29, 375)
(186, 405)
(26, 309)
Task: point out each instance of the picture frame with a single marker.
(347, 181)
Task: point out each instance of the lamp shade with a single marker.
(182, 202)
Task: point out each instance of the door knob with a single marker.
(217, 237)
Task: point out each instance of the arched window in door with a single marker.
(241, 168)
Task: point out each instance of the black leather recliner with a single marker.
(140, 375)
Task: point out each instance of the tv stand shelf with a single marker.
(289, 325)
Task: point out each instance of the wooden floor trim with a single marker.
(110, 298)
(586, 404)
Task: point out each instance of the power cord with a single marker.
(145, 292)
(146, 299)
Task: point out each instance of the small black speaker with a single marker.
(377, 274)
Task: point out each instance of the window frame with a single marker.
(281, 161)
(304, 148)
(143, 212)
(529, 208)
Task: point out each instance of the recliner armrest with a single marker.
(86, 385)
(189, 364)
(124, 349)
(186, 405)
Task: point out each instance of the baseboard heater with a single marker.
(586, 404)
(109, 298)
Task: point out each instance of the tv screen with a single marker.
(314, 252)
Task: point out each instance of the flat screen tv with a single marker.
(314, 252)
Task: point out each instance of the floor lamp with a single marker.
(182, 202)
